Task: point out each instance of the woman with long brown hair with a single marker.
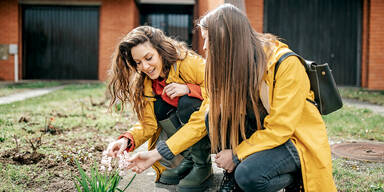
(266, 133)
(164, 82)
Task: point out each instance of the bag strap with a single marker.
(281, 59)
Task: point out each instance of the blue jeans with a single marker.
(269, 170)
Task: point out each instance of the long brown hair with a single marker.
(236, 63)
(126, 83)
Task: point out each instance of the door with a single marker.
(174, 20)
(326, 31)
(60, 42)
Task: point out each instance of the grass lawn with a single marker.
(75, 123)
(67, 124)
(348, 124)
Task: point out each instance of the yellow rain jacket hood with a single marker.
(291, 116)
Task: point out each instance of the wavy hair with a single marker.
(236, 63)
(126, 83)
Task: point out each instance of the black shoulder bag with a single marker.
(327, 96)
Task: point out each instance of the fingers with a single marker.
(121, 149)
(167, 89)
(111, 149)
(174, 90)
(172, 96)
(134, 158)
(131, 165)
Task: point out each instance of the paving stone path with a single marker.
(358, 104)
(144, 182)
(27, 94)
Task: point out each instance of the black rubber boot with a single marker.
(228, 184)
(198, 178)
(173, 176)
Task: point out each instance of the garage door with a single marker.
(321, 30)
(60, 42)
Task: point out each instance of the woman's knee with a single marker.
(186, 106)
(250, 180)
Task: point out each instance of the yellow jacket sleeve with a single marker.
(289, 96)
(194, 130)
(144, 130)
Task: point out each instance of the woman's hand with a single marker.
(175, 89)
(143, 160)
(224, 160)
(117, 147)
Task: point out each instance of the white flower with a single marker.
(122, 173)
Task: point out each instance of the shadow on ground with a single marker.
(144, 182)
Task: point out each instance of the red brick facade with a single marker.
(376, 45)
(255, 12)
(9, 34)
(117, 17)
(204, 7)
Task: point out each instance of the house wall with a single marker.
(118, 17)
(255, 13)
(375, 45)
(9, 34)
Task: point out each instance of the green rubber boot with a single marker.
(198, 178)
(173, 176)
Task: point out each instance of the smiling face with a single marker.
(148, 60)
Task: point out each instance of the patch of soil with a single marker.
(62, 184)
(24, 119)
(27, 158)
(52, 130)
(24, 158)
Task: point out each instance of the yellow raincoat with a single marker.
(190, 70)
(291, 116)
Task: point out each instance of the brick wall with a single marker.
(117, 18)
(204, 6)
(255, 12)
(376, 45)
(9, 34)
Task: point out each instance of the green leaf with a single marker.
(84, 177)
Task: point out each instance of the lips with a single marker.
(150, 72)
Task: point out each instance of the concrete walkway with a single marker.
(144, 182)
(364, 105)
(27, 94)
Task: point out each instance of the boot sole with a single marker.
(169, 181)
(199, 188)
(172, 180)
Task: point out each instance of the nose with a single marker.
(205, 46)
